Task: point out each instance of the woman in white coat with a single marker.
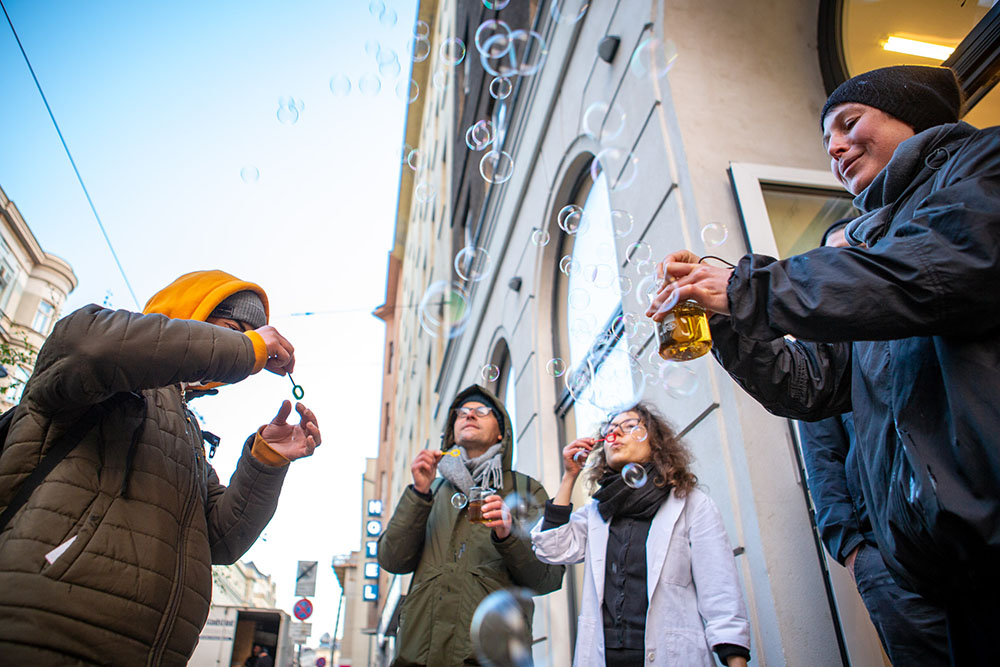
(660, 584)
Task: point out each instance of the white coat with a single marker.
(695, 599)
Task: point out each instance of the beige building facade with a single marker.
(33, 288)
(703, 120)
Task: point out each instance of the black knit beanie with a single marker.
(920, 96)
(244, 306)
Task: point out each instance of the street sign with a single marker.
(321, 662)
(300, 632)
(305, 579)
(303, 609)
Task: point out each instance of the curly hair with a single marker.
(671, 458)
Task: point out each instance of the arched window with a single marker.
(592, 337)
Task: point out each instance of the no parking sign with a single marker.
(303, 609)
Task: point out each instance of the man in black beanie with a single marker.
(906, 324)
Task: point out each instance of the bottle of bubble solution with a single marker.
(683, 334)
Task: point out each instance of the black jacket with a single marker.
(835, 485)
(919, 296)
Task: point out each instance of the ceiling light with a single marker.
(916, 48)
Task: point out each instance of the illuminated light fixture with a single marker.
(916, 48)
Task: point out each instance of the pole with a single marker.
(336, 626)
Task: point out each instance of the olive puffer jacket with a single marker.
(457, 563)
(140, 513)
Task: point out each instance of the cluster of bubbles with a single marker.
(289, 110)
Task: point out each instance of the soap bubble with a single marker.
(714, 234)
(620, 166)
(500, 632)
(638, 252)
(634, 475)
(459, 500)
(496, 167)
(496, 4)
(376, 8)
(444, 309)
(578, 299)
(419, 48)
(421, 29)
(414, 159)
(645, 290)
(653, 58)
(407, 91)
(540, 237)
(603, 121)
(488, 29)
(639, 433)
(389, 17)
(452, 51)
(679, 380)
(370, 85)
(568, 11)
(619, 383)
(602, 275)
(288, 110)
(569, 266)
(424, 192)
(340, 85)
(440, 80)
(581, 458)
(518, 53)
(578, 380)
(500, 87)
(622, 222)
(372, 47)
(556, 367)
(389, 69)
(523, 509)
(472, 264)
(250, 174)
(490, 373)
(645, 267)
(624, 285)
(480, 135)
(570, 218)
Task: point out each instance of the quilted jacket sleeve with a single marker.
(790, 378)
(401, 544)
(94, 353)
(519, 558)
(237, 514)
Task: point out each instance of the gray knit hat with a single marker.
(920, 96)
(244, 306)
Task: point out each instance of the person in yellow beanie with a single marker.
(107, 554)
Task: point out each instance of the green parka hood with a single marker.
(448, 437)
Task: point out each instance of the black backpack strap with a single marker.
(62, 446)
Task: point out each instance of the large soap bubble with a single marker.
(500, 632)
(444, 309)
(496, 167)
(620, 165)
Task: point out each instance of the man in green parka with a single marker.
(457, 563)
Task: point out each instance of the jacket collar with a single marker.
(914, 161)
(657, 543)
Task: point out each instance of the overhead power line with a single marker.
(70, 156)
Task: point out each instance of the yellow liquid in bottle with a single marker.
(684, 334)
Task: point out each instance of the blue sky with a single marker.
(162, 105)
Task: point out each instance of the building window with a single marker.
(8, 272)
(43, 317)
(596, 328)
(857, 36)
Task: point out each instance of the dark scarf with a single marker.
(616, 498)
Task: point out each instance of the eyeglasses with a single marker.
(622, 427)
(480, 411)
